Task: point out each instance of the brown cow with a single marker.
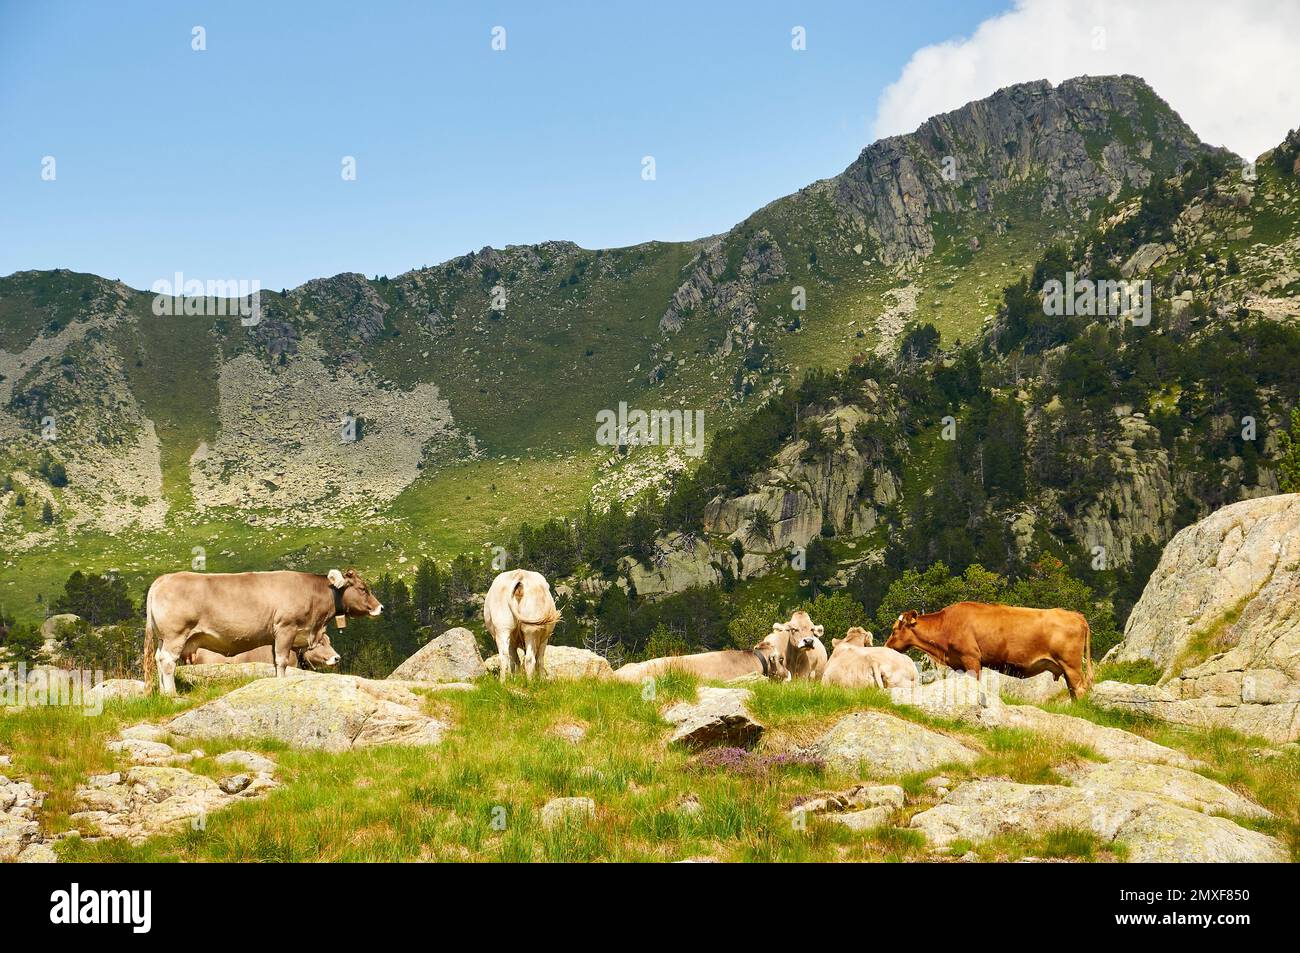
(1013, 640)
(235, 612)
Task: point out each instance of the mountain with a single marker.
(473, 386)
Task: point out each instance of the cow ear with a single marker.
(909, 617)
(818, 630)
(871, 638)
(336, 578)
(835, 642)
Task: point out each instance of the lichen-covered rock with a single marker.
(567, 810)
(143, 732)
(19, 829)
(39, 853)
(330, 712)
(883, 745)
(565, 661)
(147, 752)
(149, 800)
(1177, 785)
(1112, 743)
(856, 798)
(1154, 830)
(451, 657)
(246, 761)
(235, 672)
(718, 716)
(863, 820)
(118, 689)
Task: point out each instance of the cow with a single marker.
(519, 613)
(320, 655)
(1014, 640)
(805, 653)
(766, 659)
(232, 613)
(856, 663)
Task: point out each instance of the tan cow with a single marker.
(520, 614)
(805, 652)
(765, 659)
(232, 613)
(1014, 640)
(320, 655)
(856, 663)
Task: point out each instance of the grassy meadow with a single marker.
(478, 796)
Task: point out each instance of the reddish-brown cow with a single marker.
(1013, 640)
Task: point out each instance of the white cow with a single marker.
(520, 614)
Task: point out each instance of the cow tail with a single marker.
(149, 664)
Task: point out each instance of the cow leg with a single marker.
(283, 646)
(1073, 682)
(540, 653)
(505, 652)
(530, 659)
(166, 660)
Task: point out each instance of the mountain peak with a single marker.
(1087, 139)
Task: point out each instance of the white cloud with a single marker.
(1230, 69)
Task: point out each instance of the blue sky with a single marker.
(226, 162)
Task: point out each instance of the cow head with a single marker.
(356, 595)
(903, 635)
(320, 655)
(772, 650)
(802, 632)
(855, 636)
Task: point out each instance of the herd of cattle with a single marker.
(281, 617)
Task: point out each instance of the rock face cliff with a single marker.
(1221, 617)
(1074, 143)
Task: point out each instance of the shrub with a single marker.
(837, 612)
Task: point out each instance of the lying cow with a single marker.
(1014, 640)
(520, 614)
(805, 654)
(320, 655)
(765, 659)
(232, 613)
(856, 663)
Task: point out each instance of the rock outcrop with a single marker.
(565, 661)
(1030, 132)
(1221, 617)
(845, 486)
(19, 829)
(1183, 787)
(1153, 829)
(883, 745)
(451, 657)
(329, 712)
(718, 716)
(560, 811)
(148, 800)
